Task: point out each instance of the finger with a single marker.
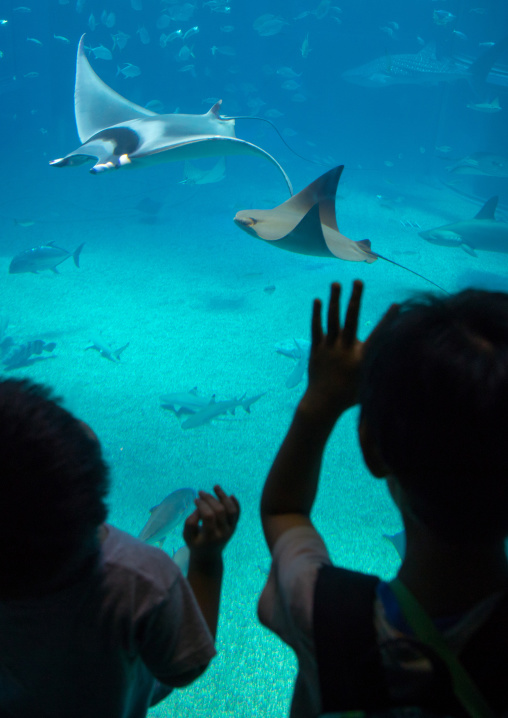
(191, 526)
(334, 314)
(352, 314)
(213, 513)
(316, 327)
(230, 503)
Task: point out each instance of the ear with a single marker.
(371, 455)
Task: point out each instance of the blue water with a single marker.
(203, 304)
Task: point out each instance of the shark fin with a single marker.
(488, 210)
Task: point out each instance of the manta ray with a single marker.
(307, 224)
(118, 133)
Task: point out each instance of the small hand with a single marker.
(335, 358)
(208, 529)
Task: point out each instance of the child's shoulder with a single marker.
(126, 559)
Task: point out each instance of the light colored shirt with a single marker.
(286, 608)
(96, 647)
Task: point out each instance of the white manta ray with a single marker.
(119, 133)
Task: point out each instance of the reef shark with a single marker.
(118, 133)
(481, 232)
(424, 68)
(216, 408)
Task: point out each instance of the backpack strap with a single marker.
(349, 663)
(464, 687)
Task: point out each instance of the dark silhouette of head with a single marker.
(53, 485)
(434, 402)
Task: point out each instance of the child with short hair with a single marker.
(432, 385)
(93, 622)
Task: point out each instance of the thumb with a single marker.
(191, 526)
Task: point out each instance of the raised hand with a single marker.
(208, 529)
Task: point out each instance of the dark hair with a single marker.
(53, 484)
(434, 396)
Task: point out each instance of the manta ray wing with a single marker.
(96, 105)
(119, 133)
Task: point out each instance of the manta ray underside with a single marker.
(306, 223)
(118, 133)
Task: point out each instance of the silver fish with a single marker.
(167, 515)
(37, 259)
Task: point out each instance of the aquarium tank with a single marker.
(151, 278)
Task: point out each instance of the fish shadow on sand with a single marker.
(14, 355)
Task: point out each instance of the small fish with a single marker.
(225, 28)
(223, 50)
(92, 22)
(3, 22)
(460, 35)
(493, 106)
(22, 10)
(486, 44)
(108, 19)
(34, 40)
(105, 350)
(267, 25)
(129, 70)
(288, 72)
(194, 175)
(31, 75)
(305, 49)
(191, 31)
(61, 38)
(48, 256)
(443, 17)
(185, 53)
(120, 40)
(167, 515)
(101, 53)
(290, 85)
(274, 114)
(173, 35)
(191, 69)
(144, 35)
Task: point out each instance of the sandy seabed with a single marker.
(187, 290)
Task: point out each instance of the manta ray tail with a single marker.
(425, 279)
(265, 119)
